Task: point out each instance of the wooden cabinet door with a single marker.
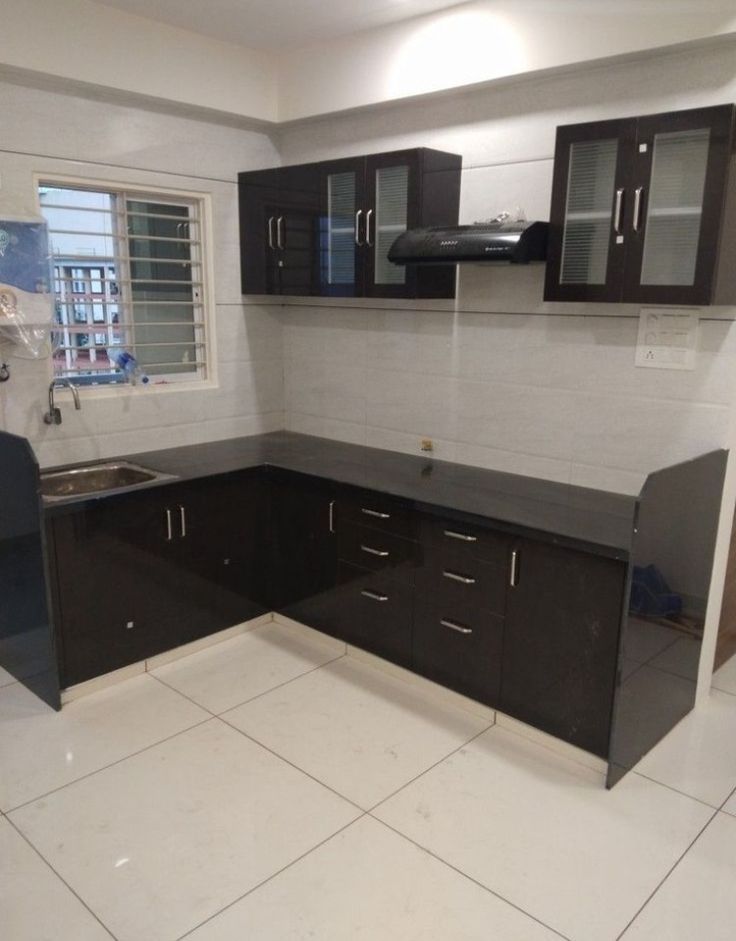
(116, 572)
(223, 552)
(297, 230)
(681, 164)
(591, 203)
(258, 198)
(563, 617)
(304, 551)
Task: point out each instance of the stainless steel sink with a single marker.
(96, 478)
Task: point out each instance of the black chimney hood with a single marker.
(516, 242)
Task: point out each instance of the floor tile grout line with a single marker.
(732, 793)
(285, 683)
(273, 875)
(466, 875)
(720, 689)
(669, 872)
(676, 790)
(291, 764)
(112, 764)
(432, 767)
(58, 875)
(265, 692)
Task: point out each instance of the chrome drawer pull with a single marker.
(381, 553)
(464, 579)
(332, 516)
(169, 532)
(456, 627)
(380, 516)
(374, 596)
(463, 536)
(514, 570)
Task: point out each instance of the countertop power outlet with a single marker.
(426, 444)
(668, 338)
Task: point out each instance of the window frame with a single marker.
(151, 192)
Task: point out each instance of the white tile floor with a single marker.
(272, 788)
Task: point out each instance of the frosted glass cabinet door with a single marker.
(393, 199)
(342, 235)
(589, 195)
(679, 178)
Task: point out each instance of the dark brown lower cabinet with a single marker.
(528, 627)
(563, 619)
(459, 646)
(138, 574)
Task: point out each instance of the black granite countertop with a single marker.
(594, 519)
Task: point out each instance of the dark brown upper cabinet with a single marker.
(325, 229)
(644, 210)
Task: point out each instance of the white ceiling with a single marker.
(275, 24)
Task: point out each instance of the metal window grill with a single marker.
(128, 273)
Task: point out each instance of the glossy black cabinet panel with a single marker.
(325, 229)
(375, 613)
(672, 565)
(303, 550)
(27, 650)
(644, 210)
(458, 645)
(280, 230)
(378, 551)
(563, 618)
(145, 572)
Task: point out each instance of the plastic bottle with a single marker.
(128, 365)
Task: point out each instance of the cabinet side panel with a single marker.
(662, 633)
(725, 289)
(26, 644)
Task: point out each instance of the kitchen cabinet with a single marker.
(325, 229)
(563, 618)
(280, 230)
(303, 551)
(144, 572)
(460, 606)
(644, 210)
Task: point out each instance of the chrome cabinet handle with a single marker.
(637, 207)
(332, 516)
(380, 516)
(463, 536)
(381, 553)
(358, 242)
(373, 595)
(280, 232)
(514, 569)
(461, 629)
(368, 215)
(617, 211)
(464, 579)
(169, 531)
(183, 521)
(270, 233)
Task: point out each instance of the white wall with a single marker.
(487, 40)
(50, 134)
(105, 47)
(501, 379)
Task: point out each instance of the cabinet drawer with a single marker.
(378, 551)
(464, 539)
(376, 613)
(459, 646)
(457, 577)
(377, 512)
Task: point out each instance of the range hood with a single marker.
(517, 242)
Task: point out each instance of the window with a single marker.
(128, 273)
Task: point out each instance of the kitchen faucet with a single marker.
(53, 416)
